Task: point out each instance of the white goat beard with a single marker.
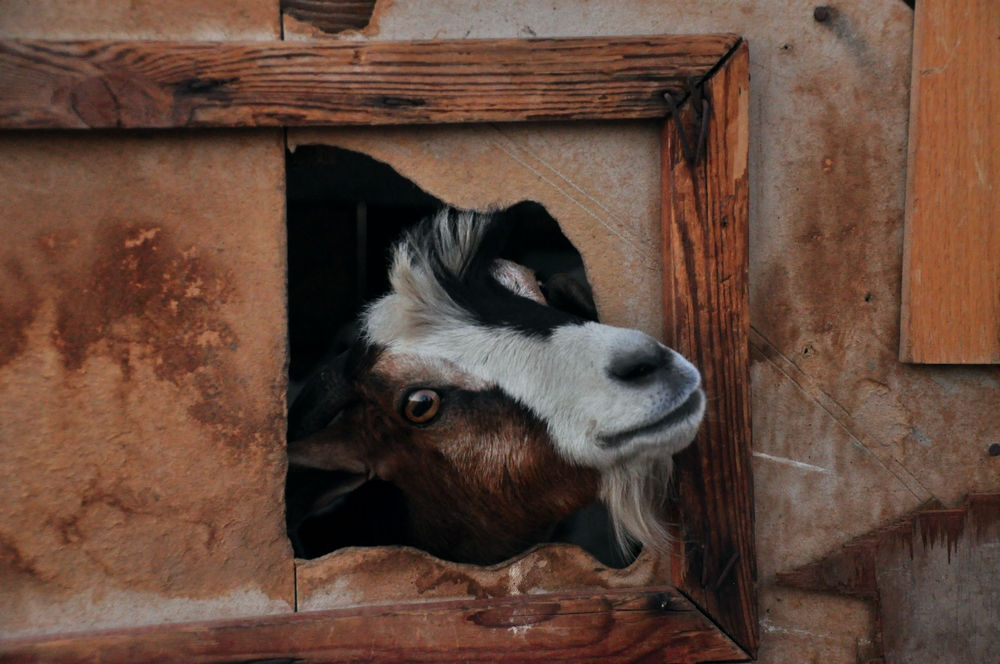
(635, 494)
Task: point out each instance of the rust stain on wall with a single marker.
(985, 512)
(12, 559)
(918, 591)
(945, 526)
(19, 303)
(145, 298)
(141, 289)
(142, 390)
(833, 192)
(141, 351)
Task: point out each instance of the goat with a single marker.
(495, 414)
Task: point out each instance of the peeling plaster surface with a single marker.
(344, 578)
(846, 437)
(141, 379)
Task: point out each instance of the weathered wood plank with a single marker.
(706, 311)
(136, 84)
(951, 269)
(615, 626)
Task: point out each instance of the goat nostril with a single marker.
(636, 371)
(636, 366)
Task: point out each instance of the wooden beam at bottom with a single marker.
(615, 626)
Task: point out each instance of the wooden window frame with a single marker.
(711, 612)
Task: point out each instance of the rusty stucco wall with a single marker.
(846, 437)
(142, 339)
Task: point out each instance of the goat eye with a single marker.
(422, 406)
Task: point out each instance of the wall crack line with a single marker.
(758, 341)
(510, 151)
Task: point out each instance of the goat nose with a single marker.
(637, 364)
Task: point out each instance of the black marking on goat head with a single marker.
(473, 286)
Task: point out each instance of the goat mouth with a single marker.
(690, 406)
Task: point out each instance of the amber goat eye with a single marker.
(422, 406)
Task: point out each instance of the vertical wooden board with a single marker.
(951, 264)
(706, 317)
(141, 379)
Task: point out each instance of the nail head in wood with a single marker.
(821, 14)
(727, 569)
(994, 450)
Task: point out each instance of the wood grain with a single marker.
(136, 84)
(614, 626)
(951, 257)
(932, 576)
(706, 311)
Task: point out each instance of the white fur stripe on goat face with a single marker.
(606, 393)
(612, 399)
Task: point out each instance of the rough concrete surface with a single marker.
(141, 379)
(846, 437)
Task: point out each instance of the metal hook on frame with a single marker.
(703, 110)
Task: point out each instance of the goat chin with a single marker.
(635, 493)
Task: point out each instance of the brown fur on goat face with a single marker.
(482, 479)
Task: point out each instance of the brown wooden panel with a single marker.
(951, 261)
(106, 84)
(706, 311)
(615, 626)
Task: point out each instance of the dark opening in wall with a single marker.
(345, 212)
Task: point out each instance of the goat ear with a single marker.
(322, 398)
(565, 293)
(329, 449)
